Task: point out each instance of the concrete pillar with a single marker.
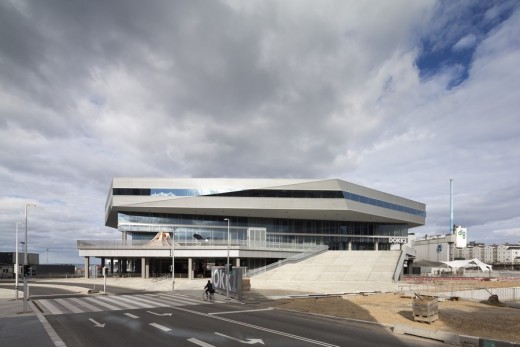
(143, 267)
(87, 266)
(146, 268)
(190, 268)
(376, 246)
(350, 246)
(237, 262)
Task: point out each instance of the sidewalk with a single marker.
(18, 328)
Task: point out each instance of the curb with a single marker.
(444, 336)
(452, 338)
(53, 335)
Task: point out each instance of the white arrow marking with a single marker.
(159, 314)
(248, 342)
(99, 325)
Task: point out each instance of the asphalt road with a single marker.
(193, 324)
(219, 324)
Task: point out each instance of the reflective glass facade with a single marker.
(335, 234)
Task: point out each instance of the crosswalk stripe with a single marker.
(107, 305)
(147, 301)
(176, 300)
(140, 304)
(86, 305)
(50, 307)
(115, 301)
(157, 300)
(182, 299)
(69, 306)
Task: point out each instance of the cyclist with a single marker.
(209, 288)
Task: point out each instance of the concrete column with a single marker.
(143, 267)
(87, 266)
(350, 246)
(147, 268)
(376, 246)
(237, 262)
(190, 268)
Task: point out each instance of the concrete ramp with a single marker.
(334, 272)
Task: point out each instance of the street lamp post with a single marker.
(173, 259)
(227, 262)
(25, 262)
(16, 266)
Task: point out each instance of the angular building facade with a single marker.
(256, 221)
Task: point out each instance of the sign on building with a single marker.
(461, 237)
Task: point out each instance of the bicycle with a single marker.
(208, 296)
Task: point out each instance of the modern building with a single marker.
(252, 222)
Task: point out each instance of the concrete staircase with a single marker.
(335, 272)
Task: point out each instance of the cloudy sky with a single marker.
(399, 96)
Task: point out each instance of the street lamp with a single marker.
(16, 266)
(25, 262)
(227, 263)
(173, 259)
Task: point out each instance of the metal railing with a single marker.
(317, 249)
(399, 267)
(146, 244)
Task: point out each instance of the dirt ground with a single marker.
(483, 319)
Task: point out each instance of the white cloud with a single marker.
(466, 42)
(250, 89)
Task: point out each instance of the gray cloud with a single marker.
(93, 90)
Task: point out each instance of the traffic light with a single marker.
(26, 271)
(230, 269)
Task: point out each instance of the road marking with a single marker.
(160, 314)
(116, 301)
(228, 312)
(296, 337)
(200, 343)
(146, 301)
(131, 315)
(86, 305)
(99, 325)
(134, 302)
(51, 307)
(158, 326)
(248, 342)
(69, 306)
(100, 303)
(182, 299)
(112, 303)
